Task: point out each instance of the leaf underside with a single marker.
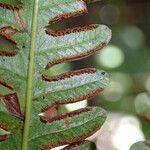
(48, 128)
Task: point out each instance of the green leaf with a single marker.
(48, 128)
(79, 126)
(6, 18)
(140, 146)
(76, 86)
(72, 46)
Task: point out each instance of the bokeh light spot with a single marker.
(114, 91)
(109, 14)
(133, 37)
(110, 57)
(127, 133)
(119, 132)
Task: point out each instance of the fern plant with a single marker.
(142, 105)
(29, 94)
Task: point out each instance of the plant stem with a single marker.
(30, 76)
